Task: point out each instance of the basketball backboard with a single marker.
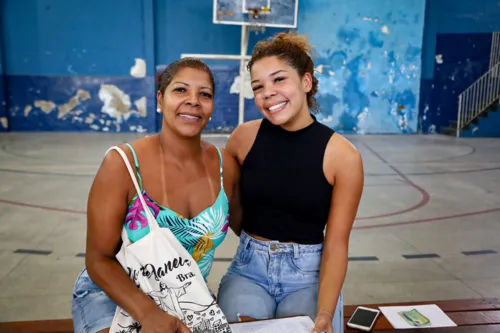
(273, 13)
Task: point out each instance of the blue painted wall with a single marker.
(369, 59)
(456, 72)
(4, 124)
(67, 65)
(70, 69)
(459, 33)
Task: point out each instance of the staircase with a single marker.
(486, 124)
(480, 101)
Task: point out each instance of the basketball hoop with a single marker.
(257, 18)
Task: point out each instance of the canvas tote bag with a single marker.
(163, 269)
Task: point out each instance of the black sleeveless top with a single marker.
(285, 195)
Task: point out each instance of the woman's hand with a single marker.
(160, 322)
(323, 323)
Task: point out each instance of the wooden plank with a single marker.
(459, 329)
(473, 313)
(446, 306)
(494, 316)
(40, 326)
(465, 318)
(475, 317)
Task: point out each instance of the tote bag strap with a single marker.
(151, 220)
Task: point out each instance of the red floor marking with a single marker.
(417, 221)
(425, 196)
(430, 219)
(424, 201)
(22, 204)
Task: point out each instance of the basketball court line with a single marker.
(446, 158)
(404, 177)
(41, 173)
(423, 201)
(55, 166)
(226, 136)
(430, 219)
(435, 173)
(405, 256)
(48, 208)
(422, 220)
(393, 224)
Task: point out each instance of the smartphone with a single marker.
(363, 318)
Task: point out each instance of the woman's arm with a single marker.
(232, 181)
(106, 210)
(238, 145)
(346, 168)
(235, 206)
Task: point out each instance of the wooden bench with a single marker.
(471, 316)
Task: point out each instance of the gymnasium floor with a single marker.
(428, 227)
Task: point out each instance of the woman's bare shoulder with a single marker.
(340, 154)
(242, 138)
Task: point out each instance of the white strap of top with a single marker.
(150, 218)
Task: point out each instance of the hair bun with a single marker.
(300, 41)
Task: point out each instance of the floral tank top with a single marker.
(200, 235)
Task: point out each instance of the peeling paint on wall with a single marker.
(247, 89)
(373, 19)
(140, 104)
(27, 110)
(46, 106)
(74, 103)
(369, 64)
(459, 60)
(117, 103)
(139, 68)
(4, 122)
(81, 95)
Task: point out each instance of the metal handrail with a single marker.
(478, 96)
(495, 49)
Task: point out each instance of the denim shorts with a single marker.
(272, 279)
(92, 309)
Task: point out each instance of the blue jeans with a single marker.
(92, 309)
(272, 279)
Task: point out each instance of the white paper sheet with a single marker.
(302, 324)
(436, 316)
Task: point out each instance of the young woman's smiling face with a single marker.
(280, 93)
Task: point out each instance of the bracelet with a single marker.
(328, 313)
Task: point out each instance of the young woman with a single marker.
(188, 185)
(298, 177)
